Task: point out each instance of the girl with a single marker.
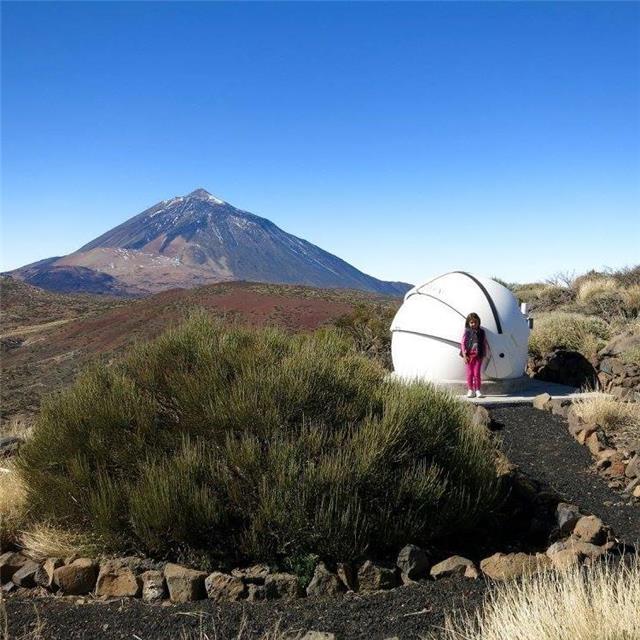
(473, 348)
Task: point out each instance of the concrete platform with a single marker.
(526, 394)
(502, 392)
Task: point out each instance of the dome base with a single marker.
(489, 387)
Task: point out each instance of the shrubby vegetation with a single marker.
(612, 295)
(238, 444)
(369, 327)
(586, 334)
(583, 312)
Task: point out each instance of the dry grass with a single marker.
(608, 412)
(586, 334)
(44, 540)
(631, 297)
(12, 504)
(594, 287)
(601, 602)
(208, 631)
(631, 356)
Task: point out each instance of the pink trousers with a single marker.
(473, 373)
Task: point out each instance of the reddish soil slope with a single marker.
(54, 346)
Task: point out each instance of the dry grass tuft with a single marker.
(44, 540)
(631, 297)
(12, 504)
(631, 356)
(601, 602)
(586, 334)
(208, 631)
(594, 287)
(608, 412)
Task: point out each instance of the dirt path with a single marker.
(539, 443)
(407, 612)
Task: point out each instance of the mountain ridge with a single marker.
(192, 240)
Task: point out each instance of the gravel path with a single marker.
(540, 444)
(408, 612)
(536, 441)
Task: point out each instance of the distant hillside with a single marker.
(193, 240)
(48, 337)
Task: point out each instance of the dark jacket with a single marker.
(468, 339)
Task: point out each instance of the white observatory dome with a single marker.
(427, 329)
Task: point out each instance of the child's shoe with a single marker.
(479, 394)
(470, 393)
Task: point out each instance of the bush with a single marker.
(544, 297)
(627, 276)
(572, 331)
(254, 445)
(369, 327)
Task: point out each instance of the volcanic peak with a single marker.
(203, 194)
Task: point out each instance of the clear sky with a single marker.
(407, 138)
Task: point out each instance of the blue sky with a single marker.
(407, 138)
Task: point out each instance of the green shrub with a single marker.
(369, 327)
(253, 445)
(573, 331)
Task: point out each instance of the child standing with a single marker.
(473, 348)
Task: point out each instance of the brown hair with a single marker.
(470, 317)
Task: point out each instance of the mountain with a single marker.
(193, 240)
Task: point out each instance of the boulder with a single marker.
(542, 402)
(566, 517)
(413, 563)
(117, 580)
(222, 587)
(10, 562)
(633, 468)
(502, 566)
(77, 578)
(154, 588)
(255, 574)
(616, 469)
(619, 344)
(454, 566)
(566, 559)
(595, 442)
(373, 576)
(576, 423)
(325, 583)
(44, 575)
(25, 575)
(560, 407)
(318, 635)
(590, 529)
(184, 585)
(284, 586)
